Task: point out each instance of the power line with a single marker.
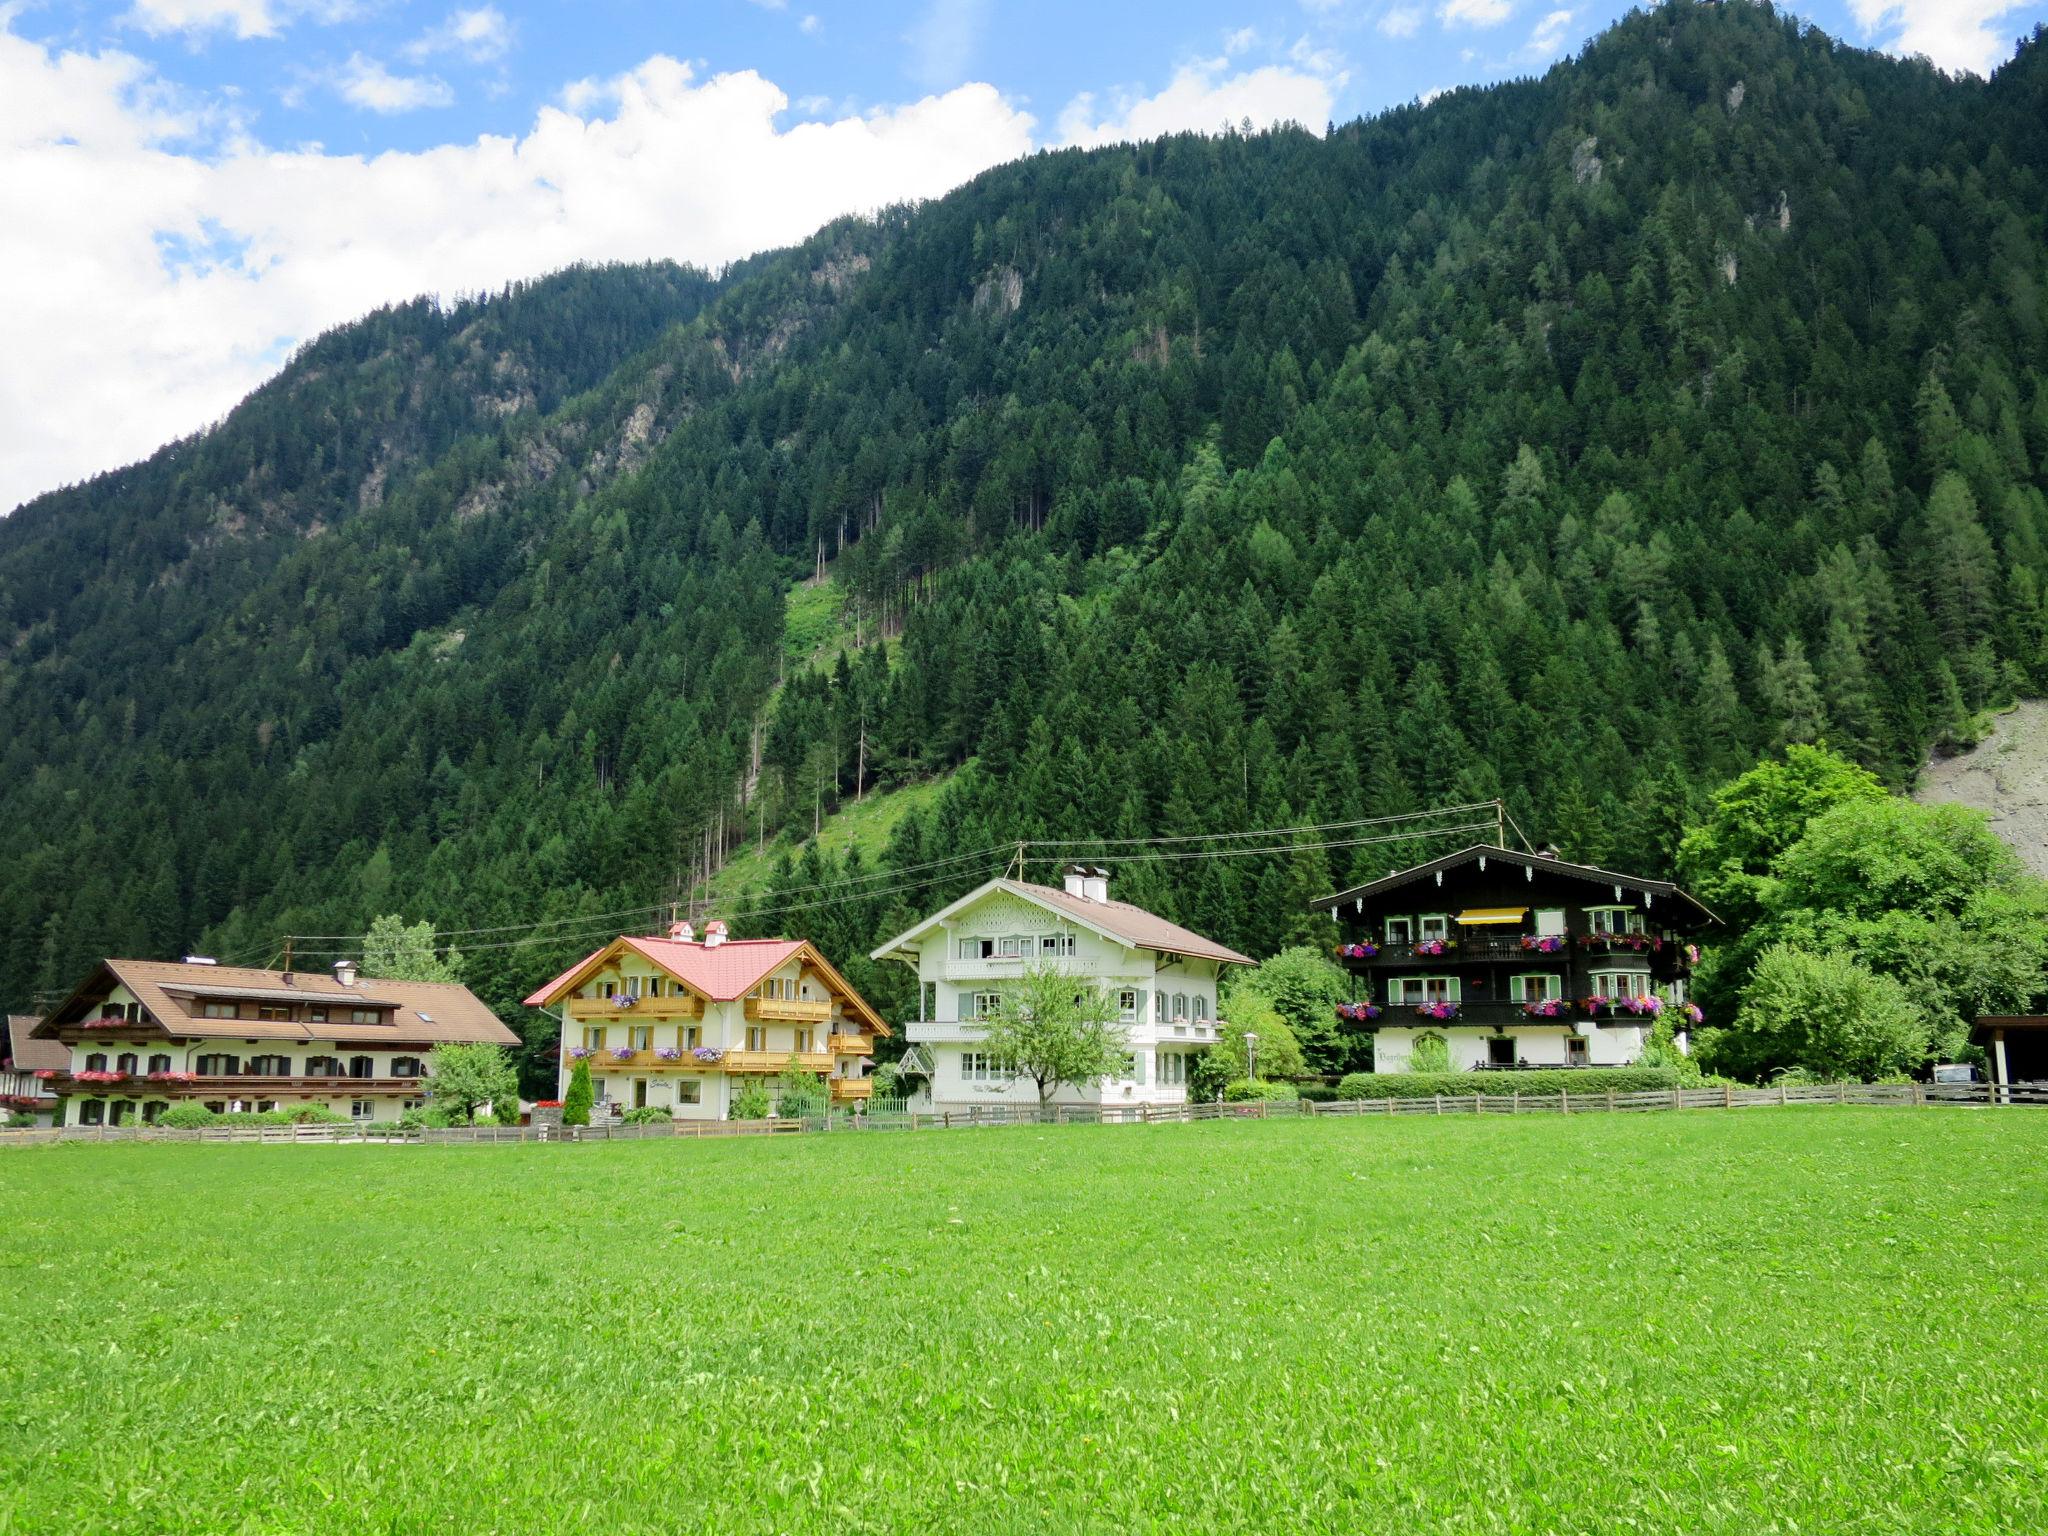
(1195, 837)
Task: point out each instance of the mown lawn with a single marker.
(1819, 1320)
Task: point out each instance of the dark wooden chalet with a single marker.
(1518, 945)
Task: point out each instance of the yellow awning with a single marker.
(1472, 916)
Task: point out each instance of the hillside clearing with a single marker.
(1808, 1320)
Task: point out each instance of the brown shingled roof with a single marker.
(29, 1054)
(1120, 920)
(422, 1012)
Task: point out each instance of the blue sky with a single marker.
(192, 187)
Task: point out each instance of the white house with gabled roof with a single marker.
(1165, 976)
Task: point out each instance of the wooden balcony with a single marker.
(240, 1085)
(850, 1045)
(796, 1010)
(844, 1088)
(608, 1060)
(775, 1061)
(641, 1010)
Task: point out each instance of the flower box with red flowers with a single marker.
(1437, 1011)
(1543, 944)
(111, 1021)
(101, 1077)
(547, 1103)
(1546, 1008)
(1358, 1013)
(1428, 947)
(1363, 951)
(174, 1077)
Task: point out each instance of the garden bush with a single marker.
(752, 1101)
(577, 1101)
(647, 1114)
(187, 1117)
(1424, 1085)
(1317, 1093)
(1246, 1092)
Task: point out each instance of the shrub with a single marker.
(19, 1119)
(437, 1117)
(1317, 1093)
(800, 1095)
(187, 1117)
(312, 1114)
(1827, 1013)
(1429, 1053)
(648, 1114)
(576, 1104)
(1425, 1085)
(752, 1102)
(1244, 1091)
(507, 1108)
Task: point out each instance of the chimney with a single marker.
(1095, 884)
(1076, 877)
(714, 934)
(201, 960)
(681, 933)
(345, 972)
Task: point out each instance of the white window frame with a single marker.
(1621, 984)
(1127, 1004)
(1407, 934)
(984, 1004)
(1398, 994)
(1432, 925)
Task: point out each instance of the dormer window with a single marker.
(218, 1010)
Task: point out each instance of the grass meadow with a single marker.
(1824, 1320)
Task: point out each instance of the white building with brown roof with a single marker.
(1164, 976)
(21, 1089)
(140, 1035)
(683, 1022)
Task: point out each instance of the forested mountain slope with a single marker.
(1572, 440)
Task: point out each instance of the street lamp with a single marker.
(1251, 1056)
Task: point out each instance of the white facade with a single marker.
(1531, 1044)
(968, 954)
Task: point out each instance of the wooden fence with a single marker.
(1563, 1103)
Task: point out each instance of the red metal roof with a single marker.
(721, 972)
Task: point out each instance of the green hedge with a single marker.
(1316, 1093)
(1245, 1092)
(1424, 1085)
(647, 1114)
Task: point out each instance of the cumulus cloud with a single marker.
(164, 263)
(1958, 35)
(1547, 40)
(364, 82)
(245, 18)
(1475, 13)
(479, 35)
(1202, 97)
(1401, 21)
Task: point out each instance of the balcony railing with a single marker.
(802, 1010)
(775, 1061)
(850, 1045)
(594, 1008)
(1491, 1013)
(609, 1060)
(240, 1085)
(1515, 948)
(852, 1088)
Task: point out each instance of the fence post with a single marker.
(1784, 1098)
(1610, 1101)
(1727, 1095)
(1439, 1102)
(1841, 1093)
(1564, 1100)
(1677, 1102)
(1515, 1108)
(1477, 1107)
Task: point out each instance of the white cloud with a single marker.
(1431, 94)
(479, 35)
(1203, 98)
(809, 26)
(1401, 21)
(364, 82)
(245, 18)
(1547, 40)
(944, 41)
(164, 263)
(1237, 42)
(1475, 13)
(1958, 35)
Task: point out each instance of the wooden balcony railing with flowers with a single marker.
(639, 1009)
(775, 1061)
(801, 1010)
(239, 1085)
(1568, 1012)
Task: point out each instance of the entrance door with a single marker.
(639, 1093)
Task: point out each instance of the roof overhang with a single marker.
(1531, 861)
(892, 950)
(559, 989)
